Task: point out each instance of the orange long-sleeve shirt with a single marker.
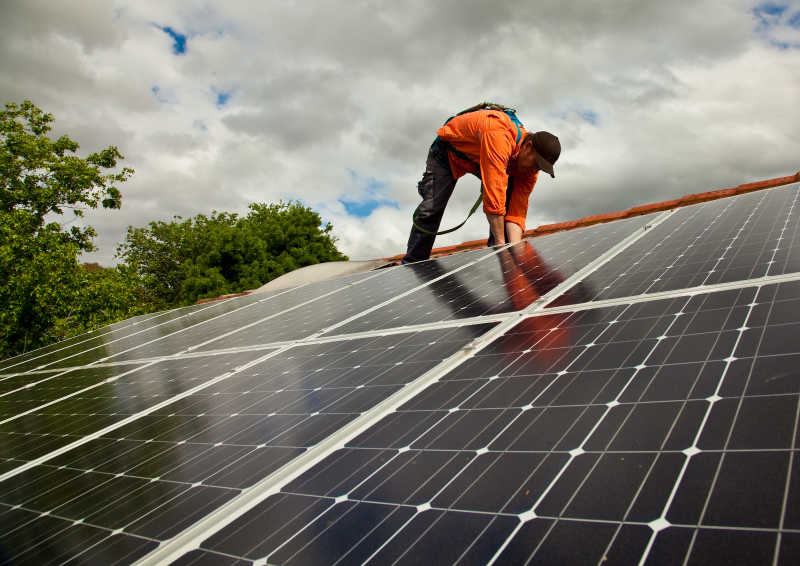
(489, 139)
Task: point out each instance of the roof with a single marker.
(686, 200)
(622, 393)
(546, 229)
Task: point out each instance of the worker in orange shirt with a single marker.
(492, 145)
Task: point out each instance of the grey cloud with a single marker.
(688, 97)
(89, 22)
(297, 109)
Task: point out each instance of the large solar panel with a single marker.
(622, 434)
(726, 240)
(464, 410)
(510, 280)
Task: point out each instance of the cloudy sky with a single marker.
(218, 104)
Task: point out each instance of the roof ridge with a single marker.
(545, 229)
(685, 200)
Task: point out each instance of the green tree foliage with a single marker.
(206, 256)
(44, 293)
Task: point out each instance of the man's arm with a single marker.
(496, 225)
(514, 232)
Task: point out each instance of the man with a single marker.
(497, 150)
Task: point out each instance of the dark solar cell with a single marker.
(654, 431)
(623, 432)
(51, 421)
(165, 470)
(725, 240)
(509, 280)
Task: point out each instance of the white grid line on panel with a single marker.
(689, 456)
(57, 373)
(129, 335)
(673, 294)
(297, 306)
(405, 294)
(191, 538)
(781, 524)
(777, 247)
(149, 410)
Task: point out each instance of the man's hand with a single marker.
(497, 226)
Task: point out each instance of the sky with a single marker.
(218, 104)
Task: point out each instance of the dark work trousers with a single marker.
(435, 188)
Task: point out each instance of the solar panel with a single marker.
(35, 358)
(350, 301)
(182, 456)
(42, 418)
(730, 239)
(461, 410)
(103, 344)
(624, 433)
(506, 281)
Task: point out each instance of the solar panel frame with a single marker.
(103, 460)
(482, 529)
(700, 245)
(631, 539)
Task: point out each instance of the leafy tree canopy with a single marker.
(44, 293)
(40, 176)
(206, 256)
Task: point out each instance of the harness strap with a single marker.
(423, 230)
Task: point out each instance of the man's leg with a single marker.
(435, 188)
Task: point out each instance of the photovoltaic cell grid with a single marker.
(40, 419)
(120, 338)
(662, 431)
(509, 281)
(147, 480)
(176, 331)
(439, 468)
(247, 321)
(33, 359)
(347, 302)
(730, 239)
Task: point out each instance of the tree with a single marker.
(41, 283)
(206, 256)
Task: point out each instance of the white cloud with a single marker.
(682, 99)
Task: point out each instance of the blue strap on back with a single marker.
(513, 115)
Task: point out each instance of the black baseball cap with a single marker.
(548, 148)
